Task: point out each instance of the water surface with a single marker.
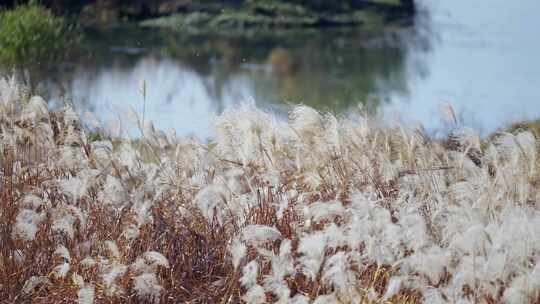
(484, 61)
(480, 56)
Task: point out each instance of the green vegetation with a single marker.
(32, 39)
(37, 39)
(110, 11)
(318, 79)
(262, 15)
(343, 71)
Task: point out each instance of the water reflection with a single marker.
(177, 96)
(190, 79)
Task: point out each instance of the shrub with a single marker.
(31, 37)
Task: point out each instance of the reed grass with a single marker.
(311, 210)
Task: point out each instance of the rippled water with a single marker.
(480, 56)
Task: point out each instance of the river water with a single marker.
(484, 61)
(480, 56)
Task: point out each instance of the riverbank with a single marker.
(309, 210)
(283, 15)
(234, 14)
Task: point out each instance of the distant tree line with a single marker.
(149, 8)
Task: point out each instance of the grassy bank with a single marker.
(312, 210)
(214, 14)
(261, 16)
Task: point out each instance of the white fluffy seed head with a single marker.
(86, 294)
(88, 262)
(35, 110)
(77, 279)
(324, 210)
(113, 192)
(33, 282)
(448, 113)
(299, 299)
(27, 224)
(312, 249)
(147, 287)
(63, 252)
(255, 295)
(211, 202)
(112, 248)
(109, 279)
(326, 299)
(393, 288)
(154, 259)
(32, 201)
(337, 273)
(61, 270)
(74, 187)
(238, 250)
(131, 232)
(259, 234)
(64, 220)
(249, 274)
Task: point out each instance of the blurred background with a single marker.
(397, 58)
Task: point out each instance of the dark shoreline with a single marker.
(233, 14)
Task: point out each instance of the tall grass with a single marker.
(312, 210)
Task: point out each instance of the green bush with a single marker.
(31, 36)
